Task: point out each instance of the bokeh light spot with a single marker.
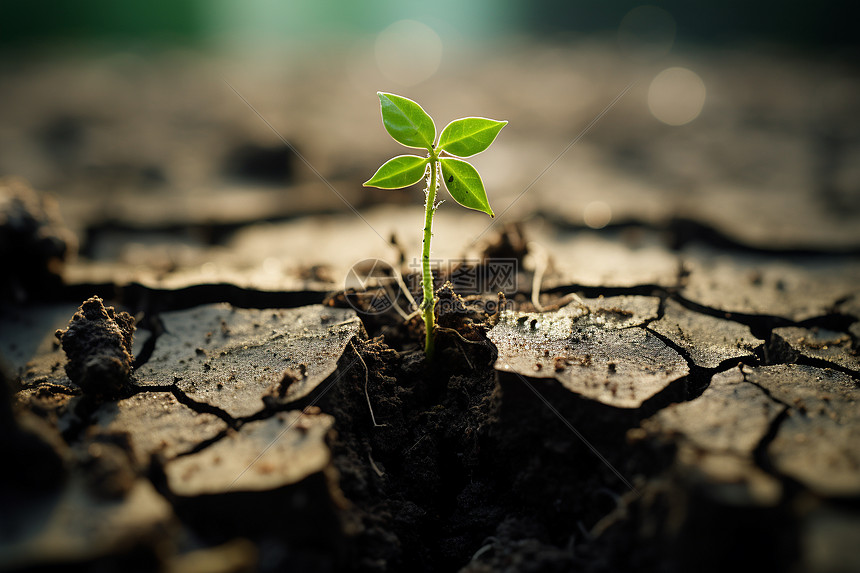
(597, 214)
(676, 96)
(408, 52)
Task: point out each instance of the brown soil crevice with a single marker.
(760, 452)
(760, 324)
(791, 487)
(139, 297)
(153, 324)
(203, 407)
(778, 351)
(698, 379)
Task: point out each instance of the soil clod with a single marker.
(34, 242)
(98, 344)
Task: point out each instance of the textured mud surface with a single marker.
(599, 354)
(676, 389)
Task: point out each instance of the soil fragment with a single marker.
(98, 345)
(261, 456)
(157, 424)
(708, 340)
(34, 242)
(817, 442)
(240, 372)
(822, 344)
(594, 354)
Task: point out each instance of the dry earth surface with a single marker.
(672, 388)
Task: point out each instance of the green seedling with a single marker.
(410, 125)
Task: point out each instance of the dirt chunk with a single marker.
(592, 354)
(245, 370)
(272, 475)
(157, 425)
(708, 340)
(98, 343)
(34, 242)
(817, 441)
(450, 309)
(263, 456)
(716, 436)
(821, 344)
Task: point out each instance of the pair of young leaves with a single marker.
(410, 125)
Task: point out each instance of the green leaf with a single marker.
(402, 171)
(470, 135)
(406, 121)
(465, 185)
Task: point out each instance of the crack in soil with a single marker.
(761, 325)
(140, 297)
(443, 469)
(760, 453)
(778, 351)
(452, 475)
(152, 322)
(203, 407)
(699, 377)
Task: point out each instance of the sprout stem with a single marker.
(429, 303)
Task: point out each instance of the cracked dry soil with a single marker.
(637, 431)
(675, 392)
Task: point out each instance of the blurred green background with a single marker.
(207, 24)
